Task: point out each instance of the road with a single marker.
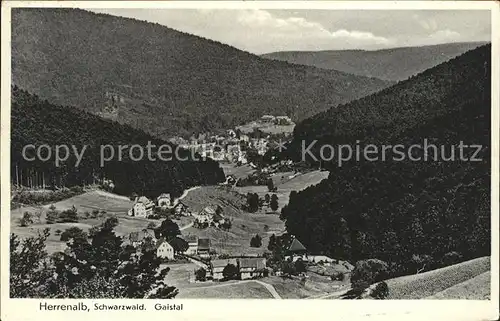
(185, 193)
(186, 226)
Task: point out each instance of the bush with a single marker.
(381, 291)
(73, 233)
(200, 274)
(26, 220)
(68, 216)
(230, 272)
(300, 266)
(367, 272)
(256, 241)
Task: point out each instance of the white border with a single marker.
(199, 309)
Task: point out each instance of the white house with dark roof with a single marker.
(164, 249)
(142, 207)
(164, 200)
(252, 267)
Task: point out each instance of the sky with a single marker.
(261, 31)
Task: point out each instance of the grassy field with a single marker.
(114, 205)
(431, 283)
(238, 171)
(245, 225)
(248, 290)
(286, 183)
(477, 288)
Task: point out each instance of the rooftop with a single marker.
(203, 244)
(257, 263)
(296, 246)
(223, 263)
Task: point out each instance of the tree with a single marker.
(274, 202)
(300, 266)
(30, 267)
(52, 215)
(256, 241)
(226, 225)
(367, 272)
(26, 220)
(267, 198)
(69, 215)
(168, 229)
(104, 261)
(230, 272)
(272, 243)
(288, 268)
(179, 245)
(151, 226)
(200, 274)
(381, 291)
(252, 202)
(270, 185)
(73, 233)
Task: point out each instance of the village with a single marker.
(228, 235)
(235, 145)
(200, 256)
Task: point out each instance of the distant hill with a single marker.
(38, 122)
(161, 80)
(415, 215)
(391, 64)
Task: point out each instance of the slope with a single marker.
(392, 64)
(417, 213)
(161, 80)
(37, 122)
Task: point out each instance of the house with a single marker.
(217, 266)
(252, 267)
(203, 248)
(164, 200)
(296, 248)
(181, 209)
(230, 180)
(192, 241)
(142, 207)
(218, 219)
(138, 237)
(164, 250)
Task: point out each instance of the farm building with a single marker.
(252, 267)
(164, 250)
(142, 207)
(181, 209)
(218, 266)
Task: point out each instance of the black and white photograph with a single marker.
(312, 153)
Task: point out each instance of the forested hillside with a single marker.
(392, 64)
(412, 214)
(36, 121)
(161, 80)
